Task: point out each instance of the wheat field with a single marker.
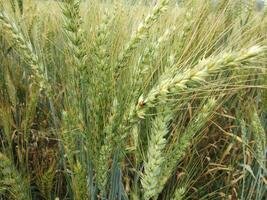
(133, 100)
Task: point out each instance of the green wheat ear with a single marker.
(259, 134)
(20, 4)
(170, 85)
(12, 185)
(179, 149)
(75, 35)
(45, 182)
(141, 34)
(155, 155)
(26, 51)
(178, 194)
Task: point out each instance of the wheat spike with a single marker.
(27, 52)
(179, 150)
(170, 85)
(178, 194)
(11, 182)
(155, 158)
(140, 35)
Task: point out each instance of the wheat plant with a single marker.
(129, 99)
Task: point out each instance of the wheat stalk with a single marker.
(102, 103)
(79, 182)
(102, 62)
(174, 81)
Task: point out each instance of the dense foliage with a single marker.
(102, 100)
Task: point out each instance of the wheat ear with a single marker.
(75, 35)
(155, 157)
(106, 150)
(179, 149)
(140, 35)
(178, 194)
(11, 183)
(144, 65)
(27, 52)
(259, 134)
(169, 85)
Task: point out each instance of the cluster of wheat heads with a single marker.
(127, 100)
